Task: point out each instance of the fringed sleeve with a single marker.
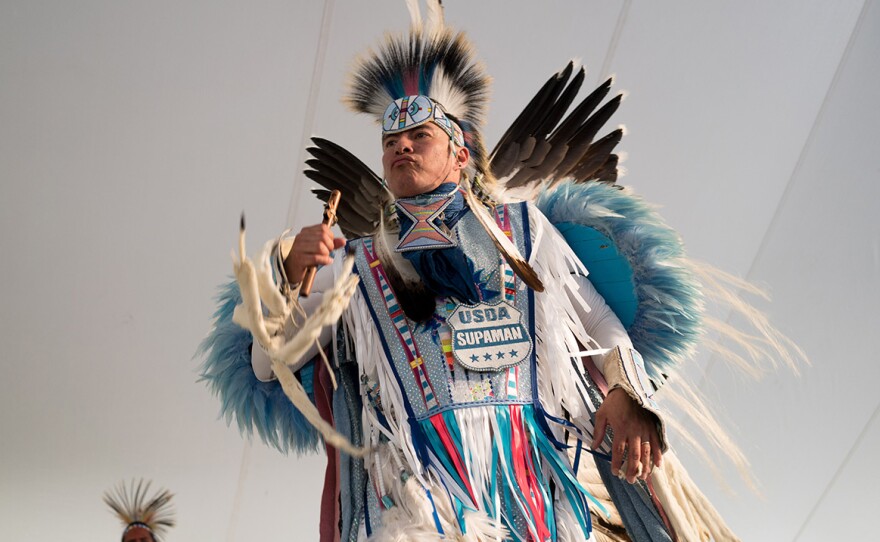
(574, 319)
(255, 405)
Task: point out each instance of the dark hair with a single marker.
(140, 524)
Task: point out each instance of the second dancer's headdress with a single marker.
(139, 511)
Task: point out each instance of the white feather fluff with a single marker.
(256, 284)
(328, 312)
(434, 22)
(415, 14)
(453, 100)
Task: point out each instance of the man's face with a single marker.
(138, 534)
(418, 160)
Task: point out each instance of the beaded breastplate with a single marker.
(465, 354)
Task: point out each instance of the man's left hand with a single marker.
(635, 434)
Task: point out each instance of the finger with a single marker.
(618, 453)
(322, 259)
(656, 451)
(330, 241)
(315, 235)
(646, 459)
(327, 235)
(316, 231)
(314, 242)
(634, 453)
(312, 231)
(312, 250)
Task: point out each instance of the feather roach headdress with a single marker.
(135, 508)
(428, 75)
(431, 74)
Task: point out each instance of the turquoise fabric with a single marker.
(610, 272)
(667, 321)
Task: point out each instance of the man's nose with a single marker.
(403, 146)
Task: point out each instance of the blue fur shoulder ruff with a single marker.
(254, 404)
(666, 322)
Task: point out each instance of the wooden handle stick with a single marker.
(329, 220)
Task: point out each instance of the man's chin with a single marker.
(407, 194)
(404, 188)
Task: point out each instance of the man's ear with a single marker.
(462, 157)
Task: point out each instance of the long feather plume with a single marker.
(547, 143)
(434, 21)
(519, 264)
(415, 13)
(417, 302)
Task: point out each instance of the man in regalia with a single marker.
(474, 384)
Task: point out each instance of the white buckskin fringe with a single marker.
(692, 516)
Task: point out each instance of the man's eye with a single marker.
(389, 143)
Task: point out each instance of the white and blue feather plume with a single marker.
(256, 406)
(660, 301)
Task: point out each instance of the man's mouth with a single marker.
(402, 160)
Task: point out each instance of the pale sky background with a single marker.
(133, 134)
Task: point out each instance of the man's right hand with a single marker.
(311, 247)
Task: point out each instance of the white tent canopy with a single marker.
(133, 134)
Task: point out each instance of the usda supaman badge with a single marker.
(489, 337)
